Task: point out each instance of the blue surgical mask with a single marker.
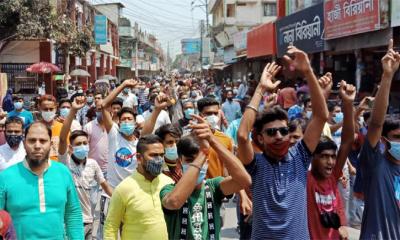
(188, 112)
(18, 105)
(394, 150)
(81, 152)
(89, 100)
(64, 112)
(202, 173)
(338, 117)
(171, 153)
(127, 128)
(127, 90)
(309, 114)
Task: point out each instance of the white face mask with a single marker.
(48, 116)
(213, 120)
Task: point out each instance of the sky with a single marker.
(169, 20)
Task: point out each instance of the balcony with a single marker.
(126, 32)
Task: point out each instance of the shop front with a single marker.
(357, 35)
(261, 47)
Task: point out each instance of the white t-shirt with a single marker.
(85, 177)
(121, 157)
(75, 126)
(130, 100)
(162, 119)
(9, 157)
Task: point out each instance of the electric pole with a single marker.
(201, 43)
(136, 51)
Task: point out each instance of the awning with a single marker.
(21, 52)
(261, 41)
(219, 66)
(364, 40)
(241, 56)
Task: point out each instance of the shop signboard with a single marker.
(190, 46)
(349, 17)
(303, 29)
(100, 29)
(229, 55)
(240, 40)
(293, 6)
(395, 13)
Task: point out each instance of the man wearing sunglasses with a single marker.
(279, 174)
(326, 217)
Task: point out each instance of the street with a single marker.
(228, 231)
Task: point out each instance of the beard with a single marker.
(35, 163)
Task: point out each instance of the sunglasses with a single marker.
(272, 131)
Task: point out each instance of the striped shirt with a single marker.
(279, 195)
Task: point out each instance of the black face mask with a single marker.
(14, 140)
(330, 220)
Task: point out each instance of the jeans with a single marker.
(345, 192)
(88, 227)
(356, 213)
(245, 227)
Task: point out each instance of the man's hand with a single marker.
(161, 101)
(201, 129)
(326, 83)
(78, 103)
(391, 61)
(343, 234)
(266, 82)
(343, 181)
(246, 206)
(364, 104)
(352, 171)
(299, 59)
(130, 83)
(271, 100)
(347, 92)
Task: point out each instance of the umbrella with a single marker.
(99, 81)
(108, 77)
(42, 67)
(79, 73)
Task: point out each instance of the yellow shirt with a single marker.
(215, 165)
(136, 205)
(55, 139)
(327, 131)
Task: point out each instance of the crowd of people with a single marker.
(160, 159)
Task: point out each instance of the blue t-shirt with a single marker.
(279, 195)
(26, 116)
(381, 187)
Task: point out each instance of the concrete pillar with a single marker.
(92, 68)
(101, 70)
(114, 67)
(108, 65)
(45, 56)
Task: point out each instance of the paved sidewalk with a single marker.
(228, 232)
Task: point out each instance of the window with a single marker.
(269, 9)
(230, 10)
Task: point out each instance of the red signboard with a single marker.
(261, 41)
(349, 17)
